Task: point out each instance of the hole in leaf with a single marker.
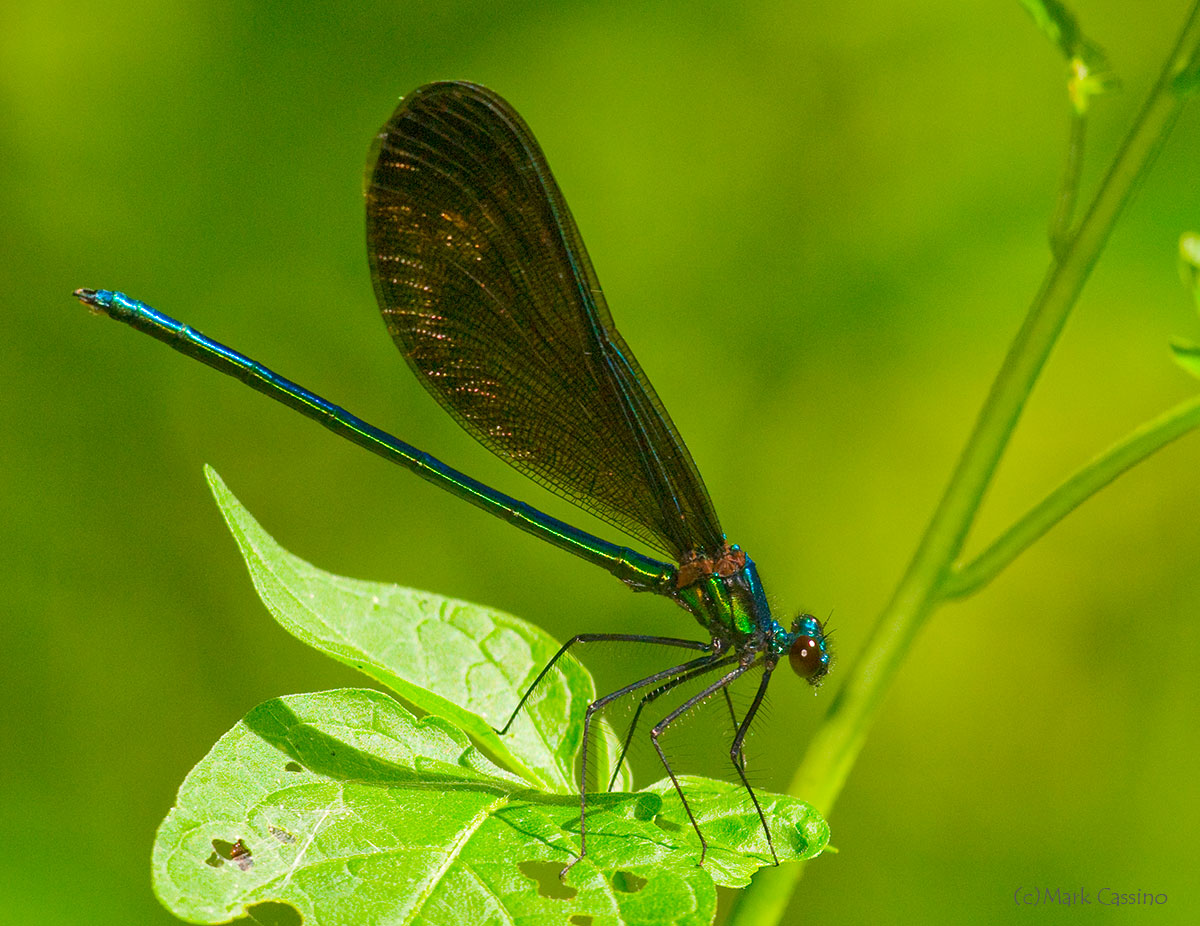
(214, 861)
(293, 767)
(274, 913)
(237, 852)
(281, 834)
(546, 876)
(580, 919)
(627, 882)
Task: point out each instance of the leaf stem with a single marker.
(1152, 436)
(1068, 192)
(832, 753)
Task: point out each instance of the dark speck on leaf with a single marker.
(237, 852)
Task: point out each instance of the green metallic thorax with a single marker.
(733, 608)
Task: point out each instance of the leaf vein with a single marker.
(453, 853)
(308, 842)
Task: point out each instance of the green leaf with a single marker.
(1088, 71)
(1057, 23)
(728, 819)
(465, 662)
(342, 807)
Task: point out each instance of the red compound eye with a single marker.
(809, 654)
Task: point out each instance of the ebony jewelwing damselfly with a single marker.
(485, 286)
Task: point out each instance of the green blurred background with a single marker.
(819, 226)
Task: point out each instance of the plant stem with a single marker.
(832, 753)
(1064, 206)
(1152, 436)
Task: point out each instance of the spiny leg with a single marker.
(596, 638)
(659, 728)
(710, 661)
(652, 696)
(733, 717)
(735, 754)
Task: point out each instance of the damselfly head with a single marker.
(809, 652)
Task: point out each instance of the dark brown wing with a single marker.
(486, 288)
